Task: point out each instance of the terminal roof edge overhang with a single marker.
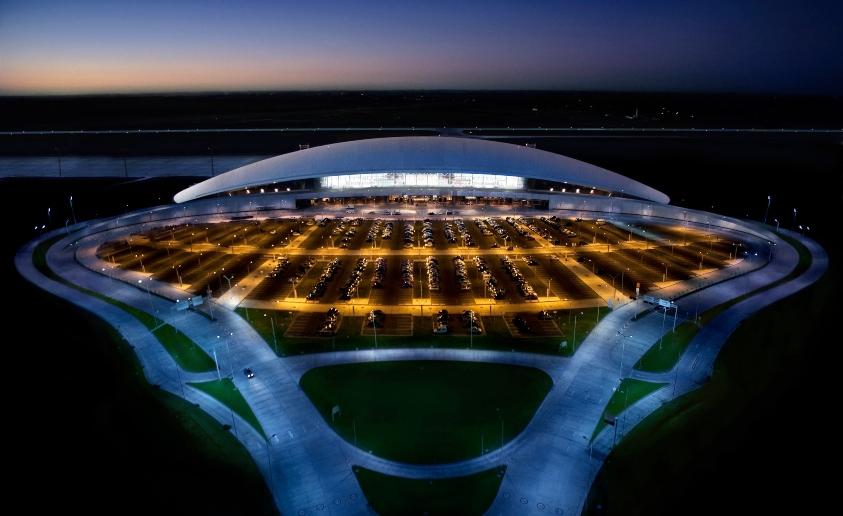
(421, 154)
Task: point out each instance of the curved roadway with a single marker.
(550, 465)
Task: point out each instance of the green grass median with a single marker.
(664, 354)
(427, 412)
(629, 392)
(187, 354)
(496, 337)
(226, 393)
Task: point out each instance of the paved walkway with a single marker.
(309, 469)
(550, 464)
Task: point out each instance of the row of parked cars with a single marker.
(324, 279)
(522, 324)
(375, 319)
(354, 279)
(466, 236)
(472, 321)
(469, 318)
(519, 227)
(407, 273)
(544, 233)
(380, 273)
(461, 273)
(498, 228)
(427, 233)
(483, 227)
(388, 226)
(523, 285)
(279, 268)
(560, 225)
(450, 235)
(440, 322)
(432, 264)
(374, 231)
(302, 270)
(493, 288)
(409, 234)
(331, 322)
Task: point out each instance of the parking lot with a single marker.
(381, 261)
(529, 324)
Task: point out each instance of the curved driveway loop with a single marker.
(550, 465)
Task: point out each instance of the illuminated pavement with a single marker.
(550, 465)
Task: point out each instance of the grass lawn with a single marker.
(226, 393)
(630, 391)
(427, 412)
(390, 495)
(125, 431)
(39, 257)
(661, 358)
(497, 336)
(586, 320)
(187, 354)
(738, 443)
(672, 346)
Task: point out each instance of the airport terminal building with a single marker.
(416, 169)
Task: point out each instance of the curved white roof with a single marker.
(420, 154)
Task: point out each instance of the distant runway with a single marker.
(43, 163)
(481, 132)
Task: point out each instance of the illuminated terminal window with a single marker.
(430, 179)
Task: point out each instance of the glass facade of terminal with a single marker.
(430, 179)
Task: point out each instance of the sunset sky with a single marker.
(86, 46)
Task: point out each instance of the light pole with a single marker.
(664, 318)
(614, 290)
(622, 273)
(216, 361)
(73, 212)
(574, 339)
(374, 327)
(777, 224)
(274, 340)
(793, 225)
(769, 199)
(623, 349)
(149, 295)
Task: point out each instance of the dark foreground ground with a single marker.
(87, 436)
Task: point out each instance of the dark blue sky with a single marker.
(61, 46)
